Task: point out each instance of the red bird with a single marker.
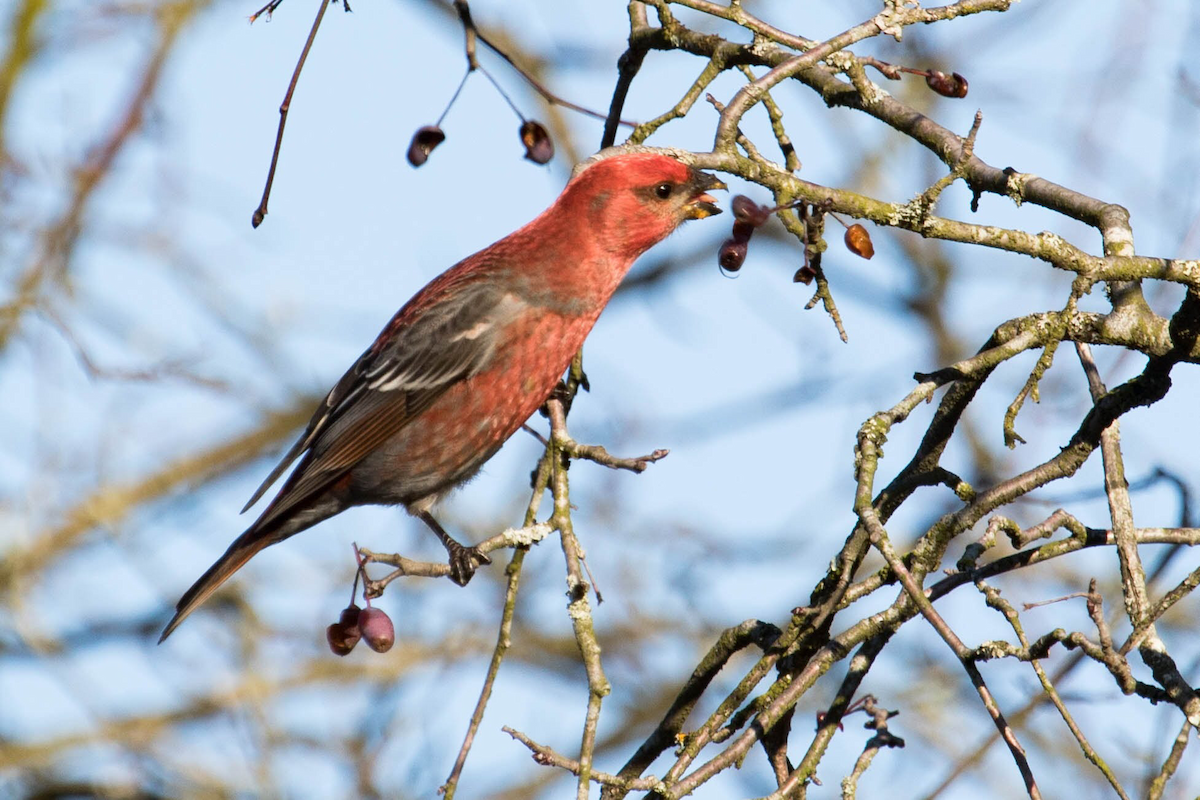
(468, 359)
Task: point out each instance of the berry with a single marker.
(952, 85)
(423, 141)
(732, 255)
(344, 634)
(539, 147)
(349, 621)
(746, 210)
(858, 241)
(377, 629)
(742, 231)
(339, 643)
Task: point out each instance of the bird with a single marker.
(464, 363)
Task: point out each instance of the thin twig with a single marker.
(577, 594)
(994, 600)
(547, 757)
(260, 213)
(627, 69)
(730, 642)
(1171, 763)
(512, 537)
(504, 637)
(917, 595)
(538, 86)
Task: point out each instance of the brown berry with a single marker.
(952, 85)
(349, 621)
(804, 275)
(858, 241)
(335, 634)
(732, 255)
(742, 231)
(377, 629)
(539, 147)
(423, 141)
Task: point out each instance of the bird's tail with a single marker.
(242, 550)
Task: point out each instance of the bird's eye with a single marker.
(663, 190)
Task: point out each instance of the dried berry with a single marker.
(732, 255)
(423, 141)
(804, 275)
(742, 231)
(335, 634)
(858, 241)
(952, 85)
(377, 629)
(344, 634)
(746, 210)
(349, 621)
(539, 147)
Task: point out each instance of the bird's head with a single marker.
(633, 198)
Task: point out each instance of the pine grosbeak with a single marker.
(468, 359)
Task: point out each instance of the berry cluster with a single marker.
(372, 624)
(748, 215)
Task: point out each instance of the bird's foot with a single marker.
(464, 561)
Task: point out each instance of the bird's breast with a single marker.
(463, 428)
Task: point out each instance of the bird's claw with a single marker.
(463, 563)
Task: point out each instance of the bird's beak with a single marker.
(704, 204)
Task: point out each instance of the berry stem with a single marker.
(457, 92)
(503, 94)
(358, 558)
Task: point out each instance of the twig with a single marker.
(994, 600)
(578, 606)
(260, 213)
(775, 113)
(538, 86)
(731, 641)
(917, 595)
(1181, 590)
(268, 9)
(627, 69)
(512, 537)
(711, 70)
(548, 758)
(504, 637)
(829, 722)
(1171, 763)
(1030, 389)
(882, 738)
(1133, 577)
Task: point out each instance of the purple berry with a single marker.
(377, 629)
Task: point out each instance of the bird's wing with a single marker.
(425, 349)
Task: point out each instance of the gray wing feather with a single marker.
(411, 364)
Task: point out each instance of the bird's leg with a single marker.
(463, 560)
